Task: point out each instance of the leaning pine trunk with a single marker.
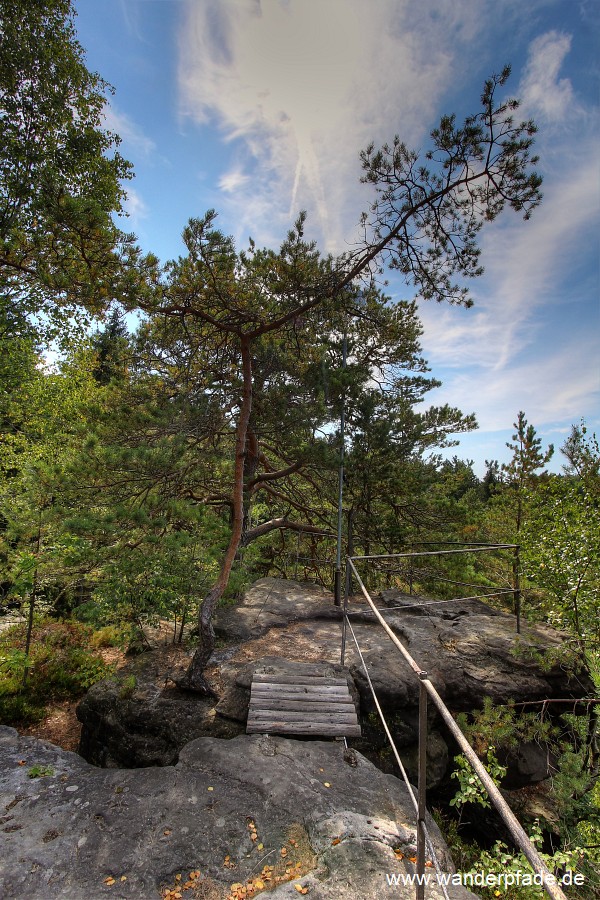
(194, 679)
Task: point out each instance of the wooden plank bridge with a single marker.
(303, 704)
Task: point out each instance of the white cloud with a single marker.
(544, 95)
(305, 86)
(558, 387)
(233, 180)
(524, 263)
(299, 87)
(135, 207)
(128, 131)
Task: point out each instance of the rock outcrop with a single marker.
(136, 718)
(227, 810)
(470, 651)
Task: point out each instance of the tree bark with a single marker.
(193, 679)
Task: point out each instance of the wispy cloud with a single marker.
(305, 86)
(129, 132)
(545, 95)
(558, 387)
(525, 263)
(299, 88)
(494, 356)
(135, 207)
(233, 180)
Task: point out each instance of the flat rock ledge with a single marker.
(65, 832)
(470, 650)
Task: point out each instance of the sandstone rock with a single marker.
(136, 719)
(469, 650)
(273, 603)
(65, 833)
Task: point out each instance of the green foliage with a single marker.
(561, 554)
(127, 687)
(60, 667)
(503, 860)
(60, 175)
(40, 771)
(471, 790)
(503, 725)
(570, 741)
(111, 636)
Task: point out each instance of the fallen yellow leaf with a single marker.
(210, 789)
(326, 783)
(283, 851)
(167, 831)
(178, 878)
(123, 877)
(110, 880)
(260, 846)
(335, 842)
(301, 889)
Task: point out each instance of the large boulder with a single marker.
(138, 718)
(313, 816)
(274, 603)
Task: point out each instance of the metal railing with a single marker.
(424, 569)
(427, 691)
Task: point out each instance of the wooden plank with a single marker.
(258, 715)
(282, 693)
(260, 678)
(301, 704)
(299, 690)
(307, 706)
(279, 727)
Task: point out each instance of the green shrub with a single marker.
(110, 636)
(61, 666)
(127, 687)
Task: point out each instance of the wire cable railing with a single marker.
(420, 813)
(427, 691)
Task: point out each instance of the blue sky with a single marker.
(259, 108)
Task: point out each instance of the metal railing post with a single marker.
(517, 586)
(345, 614)
(514, 827)
(422, 788)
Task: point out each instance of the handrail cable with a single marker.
(449, 600)
(479, 548)
(403, 772)
(514, 826)
(427, 573)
